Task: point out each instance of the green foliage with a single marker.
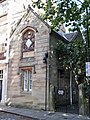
(71, 12)
(86, 88)
(76, 14)
(73, 53)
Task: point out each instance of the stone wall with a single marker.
(36, 98)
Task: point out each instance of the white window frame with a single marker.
(27, 80)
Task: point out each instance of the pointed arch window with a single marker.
(28, 40)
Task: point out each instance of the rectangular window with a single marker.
(27, 79)
(1, 74)
(3, 51)
(2, 47)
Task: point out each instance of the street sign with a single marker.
(61, 92)
(87, 68)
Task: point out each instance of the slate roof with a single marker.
(67, 37)
(71, 36)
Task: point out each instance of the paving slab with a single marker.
(42, 115)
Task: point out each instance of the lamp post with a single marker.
(45, 61)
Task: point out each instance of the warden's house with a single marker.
(25, 40)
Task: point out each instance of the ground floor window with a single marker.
(1, 74)
(27, 79)
(1, 79)
(0, 90)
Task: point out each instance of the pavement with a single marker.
(42, 115)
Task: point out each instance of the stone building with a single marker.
(25, 39)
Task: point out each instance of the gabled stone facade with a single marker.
(32, 59)
(24, 80)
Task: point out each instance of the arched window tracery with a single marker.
(28, 40)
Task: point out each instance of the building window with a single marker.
(1, 74)
(3, 47)
(27, 79)
(28, 40)
(3, 51)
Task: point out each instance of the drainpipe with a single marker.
(71, 83)
(45, 61)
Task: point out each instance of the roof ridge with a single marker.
(37, 15)
(25, 14)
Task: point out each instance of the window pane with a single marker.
(30, 85)
(30, 80)
(1, 74)
(25, 80)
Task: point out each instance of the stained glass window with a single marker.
(28, 41)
